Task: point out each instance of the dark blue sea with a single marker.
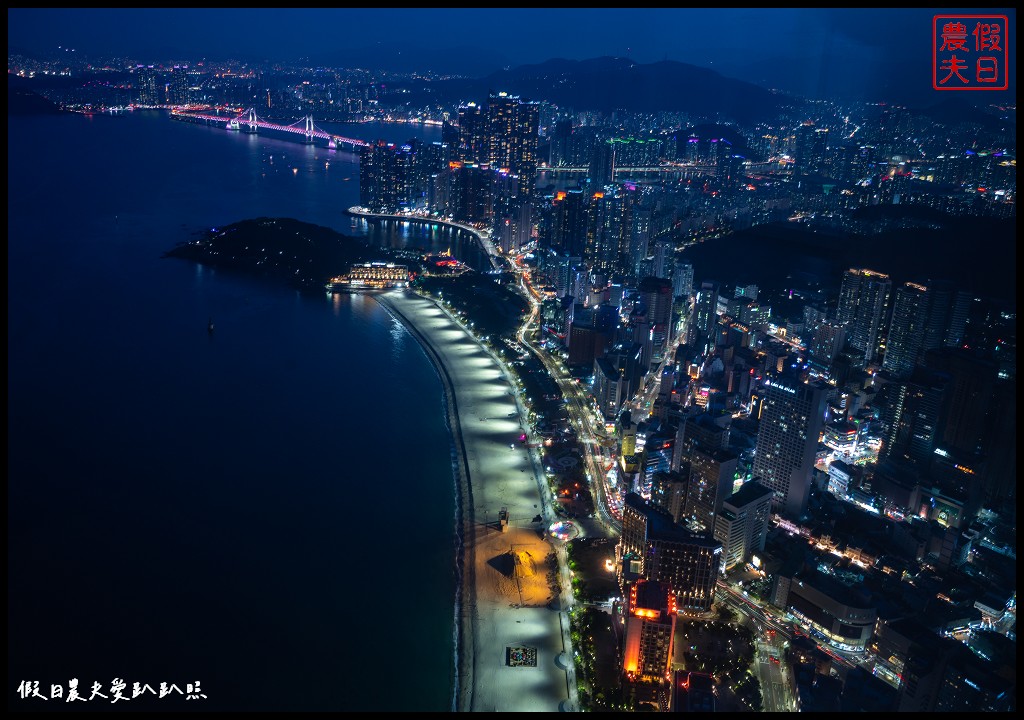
(266, 510)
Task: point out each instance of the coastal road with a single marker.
(581, 412)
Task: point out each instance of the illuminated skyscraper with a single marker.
(146, 85)
(907, 329)
(473, 143)
(512, 138)
(705, 315)
(712, 472)
(180, 91)
(656, 297)
(742, 524)
(863, 304)
(386, 174)
(792, 416)
(653, 547)
(602, 163)
(650, 627)
(811, 146)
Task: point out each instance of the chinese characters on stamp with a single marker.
(969, 52)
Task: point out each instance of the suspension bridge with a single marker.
(248, 122)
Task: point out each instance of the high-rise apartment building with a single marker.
(386, 174)
(705, 315)
(906, 330)
(180, 86)
(923, 318)
(146, 85)
(863, 305)
(512, 138)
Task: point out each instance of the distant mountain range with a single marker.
(453, 60)
(607, 84)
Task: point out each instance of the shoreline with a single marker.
(506, 596)
(464, 556)
(486, 246)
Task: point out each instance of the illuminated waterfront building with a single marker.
(146, 85)
(650, 628)
(371, 276)
(513, 135)
(386, 174)
(503, 135)
(179, 87)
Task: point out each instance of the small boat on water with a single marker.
(209, 327)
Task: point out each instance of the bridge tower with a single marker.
(309, 129)
(251, 121)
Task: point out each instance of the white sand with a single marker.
(501, 607)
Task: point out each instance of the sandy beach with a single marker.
(513, 636)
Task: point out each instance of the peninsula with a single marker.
(300, 254)
(513, 649)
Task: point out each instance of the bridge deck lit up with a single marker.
(247, 121)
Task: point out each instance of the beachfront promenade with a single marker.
(512, 592)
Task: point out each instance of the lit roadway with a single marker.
(577, 404)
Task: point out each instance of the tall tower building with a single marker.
(682, 280)
(650, 628)
(829, 339)
(146, 85)
(792, 416)
(947, 315)
(653, 547)
(561, 138)
(968, 398)
(656, 296)
(712, 473)
(912, 416)
(863, 304)
(804, 150)
(906, 330)
(742, 524)
(386, 175)
(473, 143)
(705, 315)
(602, 163)
(180, 85)
(512, 138)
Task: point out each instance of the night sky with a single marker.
(855, 53)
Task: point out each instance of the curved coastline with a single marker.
(485, 244)
(465, 565)
(498, 607)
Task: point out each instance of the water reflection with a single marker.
(425, 237)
